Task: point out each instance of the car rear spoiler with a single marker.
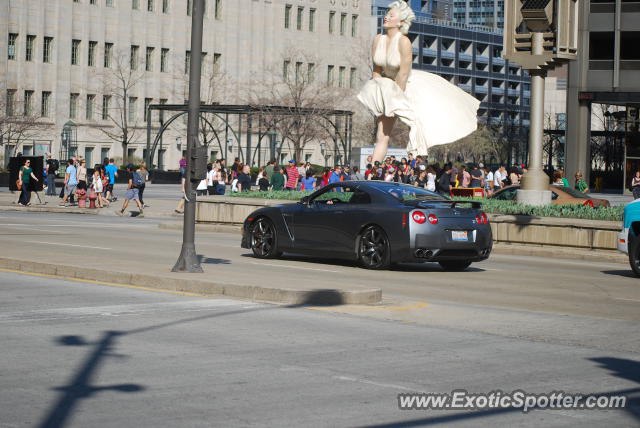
(476, 205)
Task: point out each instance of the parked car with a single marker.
(560, 195)
(375, 223)
(629, 237)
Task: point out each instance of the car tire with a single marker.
(263, 239)
(634, 256)
(374, 251)
(454, 265)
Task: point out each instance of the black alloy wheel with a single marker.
(263, 239)
(373, 249)
(454, 265)
(634, 256)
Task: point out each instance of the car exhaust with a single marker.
(419, 253)
(428, 254)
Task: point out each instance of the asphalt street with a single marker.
(78, 354)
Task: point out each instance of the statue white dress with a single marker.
(436, 111)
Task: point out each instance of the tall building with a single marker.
(486, 13)
(64, 60)
(606, 73)
(470, 57)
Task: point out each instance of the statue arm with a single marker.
(406, 57)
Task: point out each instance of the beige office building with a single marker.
(60, 59)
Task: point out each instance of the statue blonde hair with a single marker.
(406, 15)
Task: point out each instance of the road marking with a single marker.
(67, 245)
(628, 300)
(370, 308)
(110, 284)
(294, 267)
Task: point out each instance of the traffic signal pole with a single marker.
(188, 260)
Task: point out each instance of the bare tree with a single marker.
(19, 122)
(119, 82)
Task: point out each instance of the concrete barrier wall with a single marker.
(561, 232)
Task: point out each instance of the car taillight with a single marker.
(418, 217)
(482, 219)
(433, 219)
(588, 203)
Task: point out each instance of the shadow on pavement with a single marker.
(626, 273)
(210, 261)
(324, 297)
(80, 385)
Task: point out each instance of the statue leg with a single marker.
(385, 126)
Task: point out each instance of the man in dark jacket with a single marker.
(444, 183)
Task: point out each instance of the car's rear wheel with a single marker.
(454, 265)
(264, 242)
(373, 248)
(634, 256)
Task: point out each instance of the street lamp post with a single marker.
(188, 260)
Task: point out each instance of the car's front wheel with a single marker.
(634, 256)
(263, 239)
(374, 251)
(454, 265)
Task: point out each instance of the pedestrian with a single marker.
(70, 182)
(182, 164)
(581, 185)
(212, 180)
(97, 185)
(144, 173)
(325, 176)
(277, 179)
(444, 183)
(180, 207)
(557, 178)
(112, 171)
(309, 182)
(292, 176)
(463, 178)
(269, 168)
(422, 179)
(356, 175)
(431, 179)
(263, 183)
(132, 192)
(24, 180)
(203, 185)
(514, 177)
(244, 179)
(82, 175)
(635, 185)
(488, 181)
(476, 177)
(52, 170)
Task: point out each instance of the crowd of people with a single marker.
(413, 171)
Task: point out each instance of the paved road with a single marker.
(84, 355)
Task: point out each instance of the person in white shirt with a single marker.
(211, 180)
(498, 177)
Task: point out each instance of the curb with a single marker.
(327, 297)
(50, 209)
(205, 227)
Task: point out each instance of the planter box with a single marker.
(561, 232)
(165, 177)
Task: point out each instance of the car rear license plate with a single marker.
(459, 235)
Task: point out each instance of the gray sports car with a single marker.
(375, 223)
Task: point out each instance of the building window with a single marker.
(164, 57)
(299, 18)
(75, 52)
(299, 77)
(89, 107)
(91, 60)
(311, 72)
(352, 78)
(203, 63)
(148, 62)
(135, 4)
(31, 40)
(287, 16)
(94, 2)
(132, 108)
(312, 20)
(330, 75)
(147, 103)
(109, 3)
(133, 61)
(354, 25)
(150, 5)
(73, 106)
(45, 107)
(189, 7)
(106, 102)
(341, 72)
(28, 103)
(187, 62)
(217, 11)
(629, 45)
(108, 49)
(332, 22)
(11, 51)
(165, 6)
(11, 100)
(46, 49)
(601, 45)
(216, 63)
(285, 69)
(343, 24)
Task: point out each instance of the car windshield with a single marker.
(409, 193)
(572, 192)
